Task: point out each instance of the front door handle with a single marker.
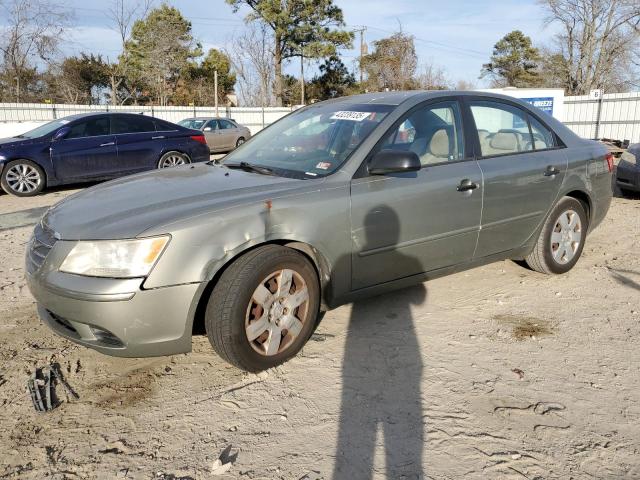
(108, 144)
(466, 185)
(551, 171)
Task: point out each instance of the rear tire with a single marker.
(173, 159)
(23, 178)
(263, 308)
(561, 239)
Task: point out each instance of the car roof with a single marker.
(206, 118)
(397, 97)
(78, 116)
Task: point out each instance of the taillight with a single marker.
(199, 138)
(609, 158)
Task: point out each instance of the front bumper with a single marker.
(114, 317)
(628, 176)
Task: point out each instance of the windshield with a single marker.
(45, 129)
(312, 142)
(193, 123)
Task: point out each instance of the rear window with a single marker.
(194, 123)
(132, 124)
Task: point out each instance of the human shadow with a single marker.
(381, 377)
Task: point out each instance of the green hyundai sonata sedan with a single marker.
(337, 201)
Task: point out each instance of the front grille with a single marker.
(42, 241)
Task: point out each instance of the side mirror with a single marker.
(394, 161)
(60, 134)
(206, 129)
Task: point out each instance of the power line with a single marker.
(463, 51)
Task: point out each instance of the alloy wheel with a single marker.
(173, 161)
(23, 178)
(566, 237)
(277, 311)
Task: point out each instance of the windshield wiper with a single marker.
(250, 167)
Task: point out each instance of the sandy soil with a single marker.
(498, 372)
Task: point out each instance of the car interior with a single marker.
(427, 134)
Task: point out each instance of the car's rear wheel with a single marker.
(22, 178)
(173, 159)
(561, 239)
(240, 141)
(263, 308)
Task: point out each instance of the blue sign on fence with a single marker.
(543, 103)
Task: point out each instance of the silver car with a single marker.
(222, 134)
(337, 201)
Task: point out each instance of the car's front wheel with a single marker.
(240, 141)
(561, 239)
(173, 159)
(22, 178)
(263, 308)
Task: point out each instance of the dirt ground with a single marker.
(498, 372)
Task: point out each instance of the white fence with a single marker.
(12, 115)
(614, 115)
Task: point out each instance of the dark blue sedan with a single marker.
(93, 147)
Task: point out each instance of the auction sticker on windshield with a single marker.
(353, 116)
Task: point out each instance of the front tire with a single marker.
(173, 159)
(263, 308)
(22, 178)
(561, 239)
(240, 141)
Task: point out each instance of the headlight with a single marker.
(114, 258)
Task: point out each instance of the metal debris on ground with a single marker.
(41, 387)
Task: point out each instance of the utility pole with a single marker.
(301, 74)
(17, 89)
(215, 89)
(363, 48)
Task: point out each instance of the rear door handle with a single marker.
(108, 144)
(466, 185)
(551, 171)
(158, 137)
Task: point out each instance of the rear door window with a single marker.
(542, 136)
(132, 124)
(502, 129)
(89, 128)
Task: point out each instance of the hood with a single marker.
(15, 141)
(127, 207)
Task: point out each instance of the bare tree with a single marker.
(597, 40)
(393, 63)
(31, 32)
(123, 14)
(432, 77)
(464, 85)
(251, 57)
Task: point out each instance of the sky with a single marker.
(456, 35)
